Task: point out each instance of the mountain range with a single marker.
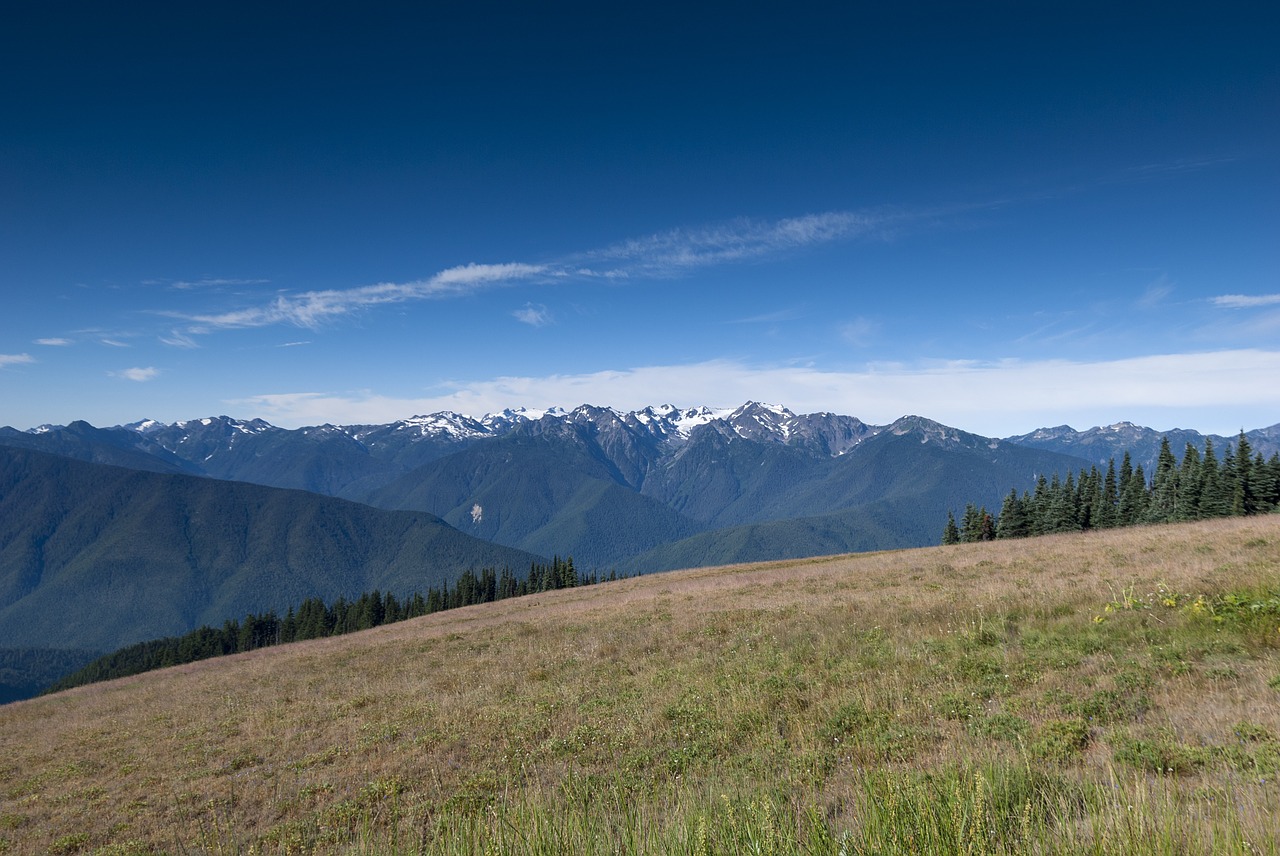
(113, 535)
(628, 490)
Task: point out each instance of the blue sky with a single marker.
(997, 215)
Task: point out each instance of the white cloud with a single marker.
(666, 254)
(179, 339)
(140, 375)
(114, 343)
(534, 316)
(311, 309)
(770, 317)
(1215, 392)
(54, 342)
(677, 251)
(15, 359)
(1156, 293)
(188, 285)
(859, 332)
(1245, 301)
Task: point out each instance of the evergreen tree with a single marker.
(986, 525)
(1039, 510)
(436, 599)
(1061, 515)
(1189, 485)
(289, 627)
(1106, 514)
(1269, 490)
(1013, 522)
(1124, 503)
(1214, 501)
(507, 585)
(970, 524)
(950, 532)
(1163, 503)
(1243, 500)
(1089, 502)
(1133, 501)
(391, 609)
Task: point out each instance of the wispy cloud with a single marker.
(1245, 301)
(139, 375)
(1215, 391)
(54, 342)
(678, 251)
(187, 285)
(663, 255)
(1156, 293)
(312, 309)
(114, 343)
(770, 317)
(179, 339)
(292, 344)
(533, 315)
(1179, 165)
(15, 359)
(859, 332)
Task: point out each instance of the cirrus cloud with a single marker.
(662, 255)
(311, 309)
(1245, 301)
(137, 374)
(534, 316)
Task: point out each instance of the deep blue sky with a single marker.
(998, 215)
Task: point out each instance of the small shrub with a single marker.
(1251, 732)
(875, 734)
(1109, 706)
(999, 726)
(958, 705)
(1162, 754)
(72, 843)
(1061, 740)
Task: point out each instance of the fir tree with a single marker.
(1189, 485)
(950, 532)
(970, 524)
(1013, 521)
(1106, 515)
(1243, 500)
(1163, 501)
(1133, 500)
(1213, 494)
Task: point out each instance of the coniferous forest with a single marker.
(1199, 488)
(314, 620)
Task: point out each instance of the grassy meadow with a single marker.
(1110, 692)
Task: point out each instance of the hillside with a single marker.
(96, 557)
(1110, 692)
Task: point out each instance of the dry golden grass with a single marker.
(799, 680)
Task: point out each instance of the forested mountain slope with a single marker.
(95, 556)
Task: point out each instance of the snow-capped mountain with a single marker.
(1104, 442)
(607, 485)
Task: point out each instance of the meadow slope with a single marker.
(1112, 692)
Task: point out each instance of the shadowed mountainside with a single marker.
(96, 557)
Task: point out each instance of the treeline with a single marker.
(1198, 488)
(313, 619)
